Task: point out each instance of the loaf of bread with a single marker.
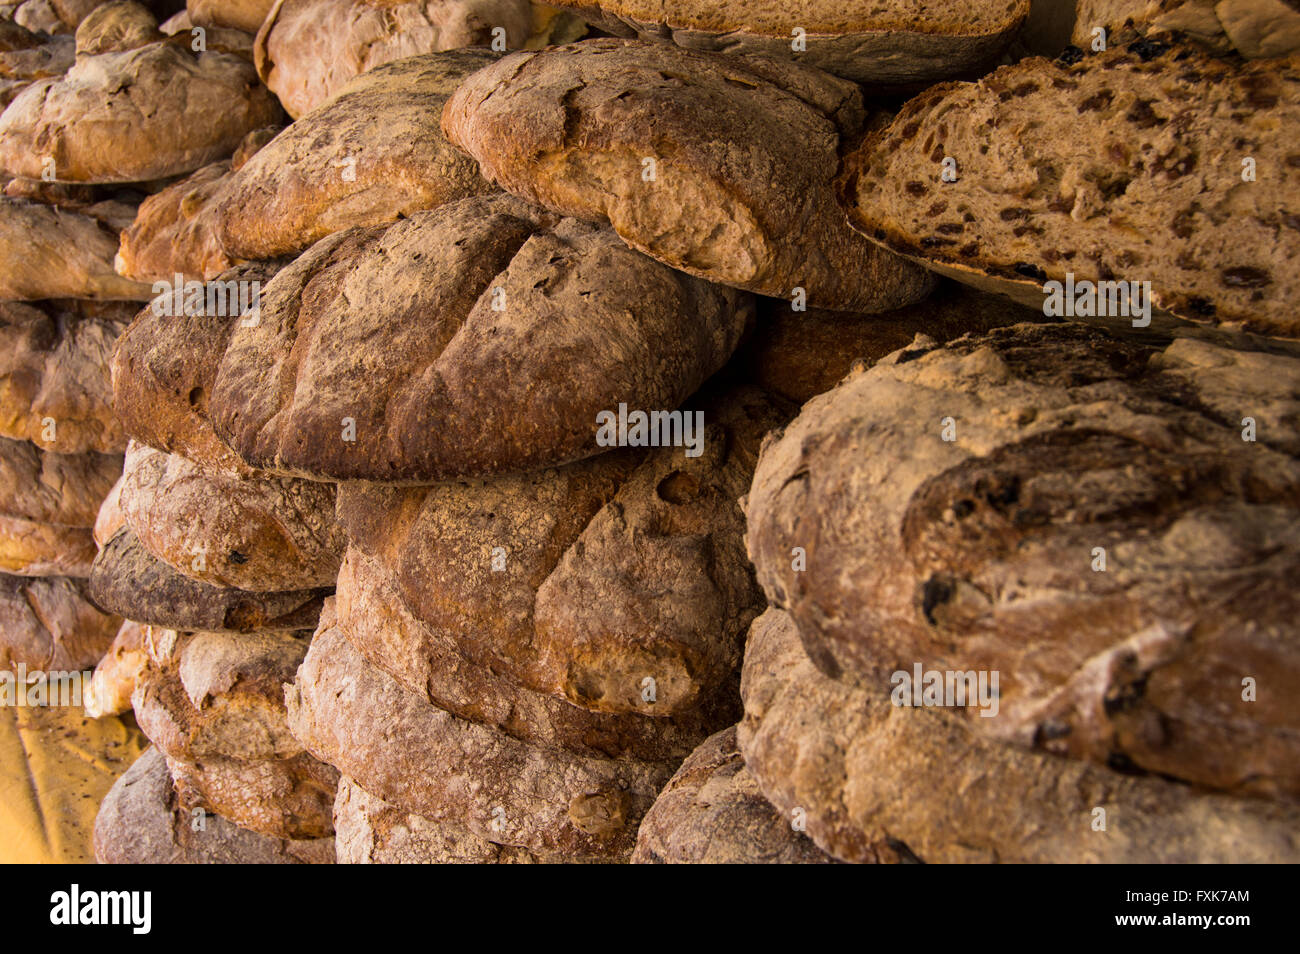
(557, 579)
(115, 27)
(711, 812)
(305, 65)
(26, 55)
(130, 581)
(875, 781)
(55, 389)
(898, 42)
(1097, 532)
(369, 831)
(252, 533)
(448, 344)
(1181, 183)
(1253, 28)
(36, 548)
(146, 113)
(284, 798)
(109, 519)
(63, 16)
(109, 692)
(427, 762)
(246, 15)
(49, 625)
(716, 165)
(369, 155)
(425, 661)
(219, 39)
(58, 253)
(141, 821)
(62, 489)
(163, 369)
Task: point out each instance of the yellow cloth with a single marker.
(56, 766)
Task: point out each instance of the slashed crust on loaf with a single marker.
(1151, 190)
(744, 152)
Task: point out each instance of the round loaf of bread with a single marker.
(49, 625)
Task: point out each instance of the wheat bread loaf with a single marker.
(876, 781)
(1181, 183)
(480, 337)
(368, 155)
(141, 821)
(64, 16)
(903, 42)
(284, 798)
(373, 616)
(719, 166)
(58, 253)
(245, 15)
(146, 113)
(132, 582)
(55, 389)
(1098, 533)
(1253, 28)
(427, 762)
(36, 548)
(110, 688)
(711, 812)
(27, 55)
(49, 625)
(556, 579)
(115, 27)
(258, 533)
(304, 65)
(61, 489)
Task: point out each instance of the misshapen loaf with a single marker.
(719, 166)
(1097, 531)
(61, 489)
(49, 625)
(58, 253)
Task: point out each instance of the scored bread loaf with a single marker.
(141, 821)
(49, 625)
(130, 581)
(1113, 527)
(425, 761)
(480, 337)
(1180, 183)
(110, 688)
(367, 156)
(305, 65)
(898, 42)
(58, 253)
(719, 166)
(556, 578)
(146, 113)
(711, 812)
(251, 533)
(55, 389)
(876, 781)
(1253, 28)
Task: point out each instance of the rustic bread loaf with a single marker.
(35, 548)
(110, 688)
(109, 519)
(132, 582)
(55, 389)
(449, 344)
(800, 354)
(220, 39)
(425, 661)
(57, 253)
(115, 27)
(48, 625)
(283, 798)
(1098, 532)
(305, 65)
(556, 579)
(155, 111)
(27, 56)
(62, 489)
(63, 16)
(425, 761)
(711, 812)
(369, 831)
(901, 42)
(1155, 195)
(367, 156)
(141, 821)
(876, 781)
(246, 15)
(719, 166)
(1253, 28)
(252, 533)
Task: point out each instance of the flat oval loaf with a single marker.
(1097, 531)
(367, 156)
(477, 338)
(147, 113)
(719, 166)
(1154, 192)
(898, 42)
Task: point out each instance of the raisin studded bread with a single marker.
(1122, 166)
(720, 166)
(1097, 531)
(1253, 28)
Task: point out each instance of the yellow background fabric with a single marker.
(56, 766)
